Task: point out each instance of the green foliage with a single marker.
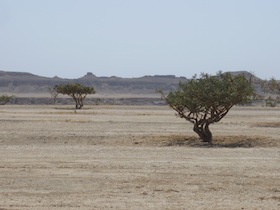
(77, 91)
(208, 99)
(5, 99)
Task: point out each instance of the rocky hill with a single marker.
(16, 82)
(112, 88)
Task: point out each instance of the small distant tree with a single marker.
(271, 92)
(77, 91)
(206, 100)
(54, 94)
(4, 99)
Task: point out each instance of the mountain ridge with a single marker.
(24, 82)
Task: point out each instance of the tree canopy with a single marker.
(207, 99)
(77, 91)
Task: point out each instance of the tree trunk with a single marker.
(79, 103)
(203, 132)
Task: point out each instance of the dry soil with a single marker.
(131, 157)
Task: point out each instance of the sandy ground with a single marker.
(129, 157)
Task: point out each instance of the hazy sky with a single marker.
(133, 38)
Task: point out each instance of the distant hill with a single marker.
(248, 75)
(17, 82)
(33, 89)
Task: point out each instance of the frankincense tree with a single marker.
(207, 99)
(77, 91)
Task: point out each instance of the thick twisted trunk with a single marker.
(79, 101)
(203, 132)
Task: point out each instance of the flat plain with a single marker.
(136, 157)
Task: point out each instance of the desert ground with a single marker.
(136, 157)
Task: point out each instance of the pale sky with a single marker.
(133, 38)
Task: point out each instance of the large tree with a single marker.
(77, 91)
(207, 99)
